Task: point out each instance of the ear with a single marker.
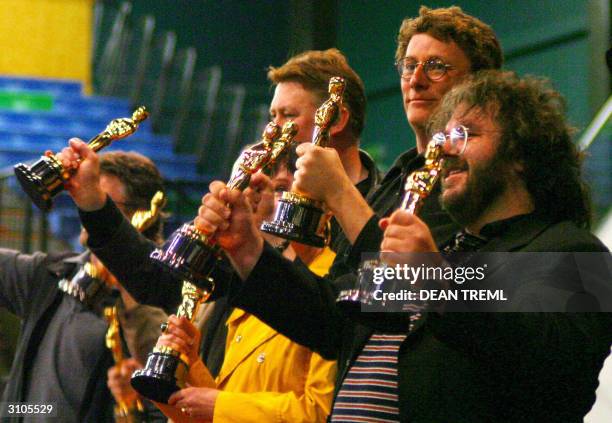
(341, 122)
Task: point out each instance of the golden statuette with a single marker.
(297, 217)
(124, 411)
(418, 186)
(144, 219)
(328, 112)
(191, 256)
(45, 179)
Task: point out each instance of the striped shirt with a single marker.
(369, 392)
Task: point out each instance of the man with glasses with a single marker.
(512, 179)
(435, 51)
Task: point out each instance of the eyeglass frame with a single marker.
(443, 137)
(400, 66)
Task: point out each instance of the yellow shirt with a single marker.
(265, 377)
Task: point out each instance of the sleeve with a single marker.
(368, 241)
(314, 321)
(20, 277)
(313, 405)
(125, 252)
(141, 329)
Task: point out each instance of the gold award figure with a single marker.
(45, 179)
(125, 411)
(417, 187)
(297, 217)
(192, 255)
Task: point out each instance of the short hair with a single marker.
(313, 69)
(141, 180)
(534, 132)
(475, 38)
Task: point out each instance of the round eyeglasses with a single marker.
(457, 139)
(434, 69)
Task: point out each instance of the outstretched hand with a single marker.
(84, 185)
(228, 214)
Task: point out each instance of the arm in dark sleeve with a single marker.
(292, 300)
(125, 252)
(20, 276)
(368, 241)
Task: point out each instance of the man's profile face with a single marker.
(112, 186)
(419, 94)
(292, 101)
(473, 180)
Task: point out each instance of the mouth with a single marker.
(450, 172)
(420, 100)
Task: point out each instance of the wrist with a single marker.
(245, 259)
(92, 201)
(338, 196)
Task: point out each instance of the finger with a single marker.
(235, 199)
(217, 205)
(175, 397)
(175, 343)
(383, 223)
(304, 148)
(403, 217)
(81, 148)
(215, 187)
(213, 217)
(260, 181)
(178, 332)
(189, 328)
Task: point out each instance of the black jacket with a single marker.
(459, 367)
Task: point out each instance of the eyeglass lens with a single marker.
(457, 139)
(434, 68)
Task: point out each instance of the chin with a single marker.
(418, 118)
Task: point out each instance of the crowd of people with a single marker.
(273, 343)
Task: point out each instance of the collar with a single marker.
(373, 179)
(515, 232)
(407, 161)
(499, 227)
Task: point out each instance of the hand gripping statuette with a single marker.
(191, 256)
(417, 187)
(45, 179)
(297, 217)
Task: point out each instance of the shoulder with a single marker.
(566, 236)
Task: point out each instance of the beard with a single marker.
(485, 183)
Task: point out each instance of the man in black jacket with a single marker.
(512, 180)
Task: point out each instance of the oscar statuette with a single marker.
(417, 187)
(125, 411)
(297, 217)
(45, 178)
(191, 256)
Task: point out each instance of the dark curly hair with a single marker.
(141, 180)
(475, 38)
(534, 132)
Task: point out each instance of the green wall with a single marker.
(548, 38)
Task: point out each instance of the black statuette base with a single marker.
(296, 222)
(162, 376)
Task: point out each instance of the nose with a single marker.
(447, 147)
(418, 78)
